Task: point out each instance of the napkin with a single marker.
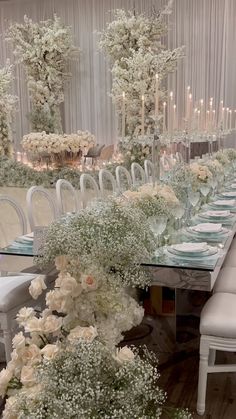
(190, 247)
(222, 202)
(218, 213)
(228, 194)
(208, 228)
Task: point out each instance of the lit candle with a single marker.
(210, 114)
(198, 120)
(157, 96)
(190, 108)
(164, 117)
(223, 118)
(170, 122)
(142, 116)
(201, 115)
(221, 113)
(187, 104)
(234, 118)
(207, 120)
(123, 115)
(227, 118)
(214, 119)
(230, 119)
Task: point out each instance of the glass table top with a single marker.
(164, 256)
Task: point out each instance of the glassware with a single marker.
(158, 226)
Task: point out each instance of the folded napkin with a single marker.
(222, 202)
(208, 228)
(233, 193)
(218, 213)
(233, 186)
(190, 247)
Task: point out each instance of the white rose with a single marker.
(86, 333)
(27, 376)
(61, 262)
(31, 355)
(58, 301)
(124, 355)
(5, 377)
(34, 325)
(24, 314)
(37, 286)
(88, 282)
(52, 324)
(49, 351)
(18, 342)
(10, 410)
(68, 285)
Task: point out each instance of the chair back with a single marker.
(149, 170)
(106, 178)
(137, 174)
(13, 222)
(41, 207)
(95, 152)
(123, 178)
(89, 189)
(67, 198)
(107, 152)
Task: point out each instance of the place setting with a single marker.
(211, 232)
(197, 254)
(225, 217)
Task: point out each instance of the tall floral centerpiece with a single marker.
(7, 106)
(66, 362)
(140, 63)
(44, 48)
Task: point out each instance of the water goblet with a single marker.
(158, 226)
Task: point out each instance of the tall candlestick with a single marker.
(187, 104)
(210, 114)
(213, 119)
(156, 96)
(190, 109)
(123, 116)
(201, 114)
(164, 117)
(234, 118)
(220, 121)
(207, 120)
(142, 116)
(223, 118)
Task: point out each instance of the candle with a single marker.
(210, 114)
(198, 120)
(190, 109)
(207, 120)
(142, 116)
(187, 104)
(223, 118)
(213, 119)
(230, 119)
(201, 115)
(164, 117)
(156, 96)
(170, 121)
(227, 118)
(174, 117)
(123, 116)
(221, 113)
(234, 118)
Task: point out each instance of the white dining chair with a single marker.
(137, 174)
(38, 214)
(123, 178)
(13, 222)
(106, 178)
(67, 198)
(218, 333)
(89, 189)
(149, 170)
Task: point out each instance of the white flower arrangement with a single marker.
(214, 166)
(44, 48)
(202, 172)
(7, 106)
(230, 153)
(222, 157)
(132, 41)
(40, 143)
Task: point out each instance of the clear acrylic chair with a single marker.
(89, 189)
(106, 179)
(41, 207)
(67, 198)
(123, 178)
(149, 170)
(137, 174)
(13, 222)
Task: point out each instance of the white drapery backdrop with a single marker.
(206, 27)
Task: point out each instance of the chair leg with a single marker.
(7, 336)
(202, 380)
(212, 357)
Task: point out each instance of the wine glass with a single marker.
(178, 214)
(158, 226)
(193, 198)
(205, 189)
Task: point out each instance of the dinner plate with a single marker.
(224, 203)
(208, 228)
(212, 251)
(190, 248)
(229, 194)
(205, 234)
(218, 214)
